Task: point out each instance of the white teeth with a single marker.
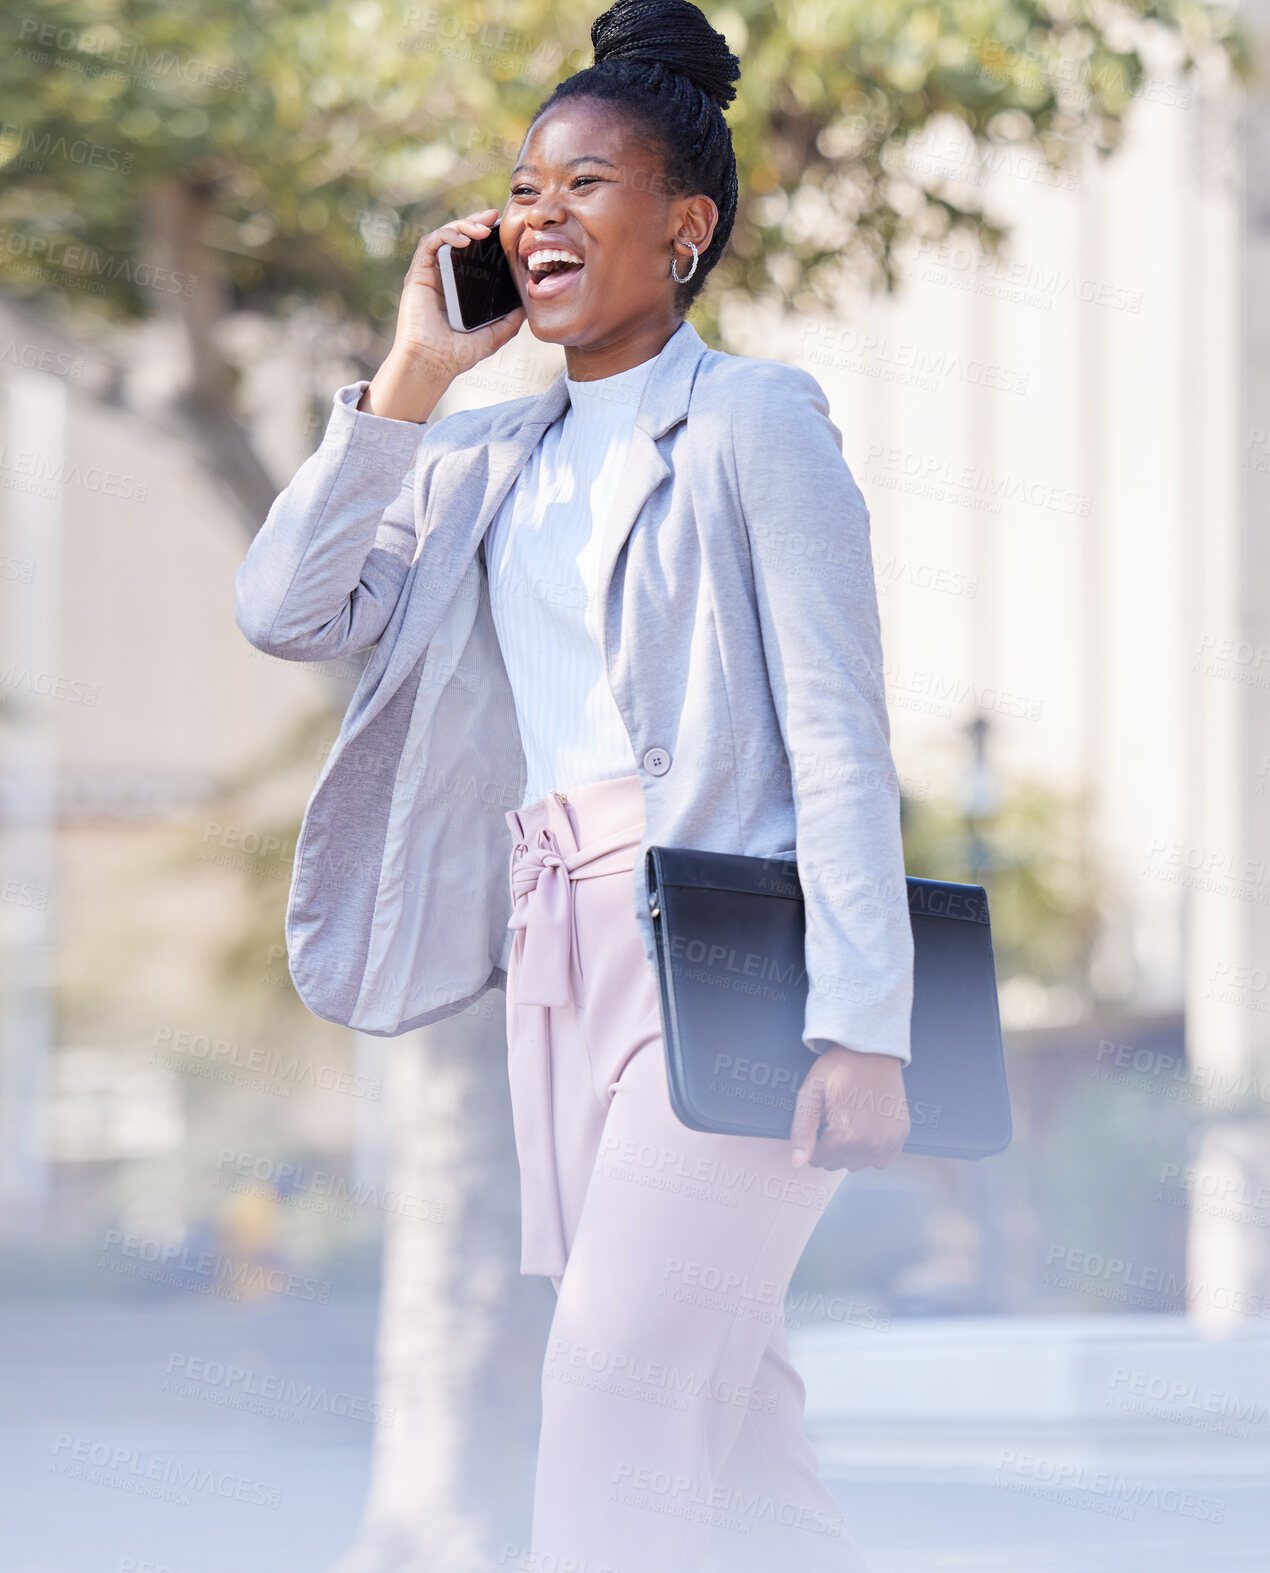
(538, 258)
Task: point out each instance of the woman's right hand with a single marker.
(427, 354)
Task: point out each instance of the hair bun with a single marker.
(673, 34)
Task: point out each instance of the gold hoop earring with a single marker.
(673, 259)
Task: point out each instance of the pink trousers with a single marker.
(672, 1437)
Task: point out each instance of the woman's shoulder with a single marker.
(754, 385)
(768, 407)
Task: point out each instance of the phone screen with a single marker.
(483, 281)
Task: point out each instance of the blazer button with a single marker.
(657, 761)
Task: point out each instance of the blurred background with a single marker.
(259, 1299)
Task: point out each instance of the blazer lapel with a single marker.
(464, 511)
(663, 404)
(471, 493)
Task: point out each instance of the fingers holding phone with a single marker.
(478, 283)
(427, 353)
(425, 321)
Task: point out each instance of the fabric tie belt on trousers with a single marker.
(544, 867)
(549, 971)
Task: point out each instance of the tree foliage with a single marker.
(312, 144)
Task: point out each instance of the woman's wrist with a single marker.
(404, 389)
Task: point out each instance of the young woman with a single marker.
(635, 609)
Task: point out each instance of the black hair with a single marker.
(662, 62)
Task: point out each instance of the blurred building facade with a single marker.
(1066, 454)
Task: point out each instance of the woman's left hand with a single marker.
(851, 1111)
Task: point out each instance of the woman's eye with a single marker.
(518, 191)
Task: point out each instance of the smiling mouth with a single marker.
(552, 278)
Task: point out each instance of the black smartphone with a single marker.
(478, 283)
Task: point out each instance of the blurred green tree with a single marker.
(205, 157)
(1042, 879)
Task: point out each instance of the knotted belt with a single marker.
(548, 965)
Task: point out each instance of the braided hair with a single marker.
(662, 63)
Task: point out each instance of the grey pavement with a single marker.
(187, 1436)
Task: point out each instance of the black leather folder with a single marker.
(730, 933)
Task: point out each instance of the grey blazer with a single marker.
(740, 628)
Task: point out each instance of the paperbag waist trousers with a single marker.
(672, 1437)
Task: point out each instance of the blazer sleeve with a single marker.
(808, 531)
(326, 569)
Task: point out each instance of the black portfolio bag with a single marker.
(730, 934)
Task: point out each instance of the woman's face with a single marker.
(586, 184)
